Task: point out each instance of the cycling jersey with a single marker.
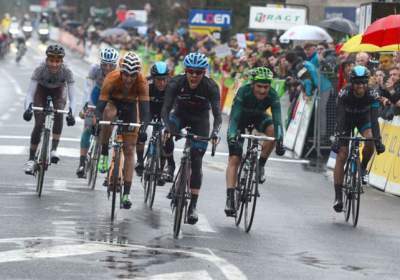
(156, 101)
(355, 112)
(43, 77)
(192, 104)
(93, 84)
(247, 109)
(113, 89)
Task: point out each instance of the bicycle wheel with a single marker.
(179, 200)
(95, 161)
(251, 193)
(153, 180)
(239, 195)
(115, 180)
(146, 176)
(42, 164)
(91, 163)
(355, 194)
(346, 192)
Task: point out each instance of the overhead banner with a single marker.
(139, 15)
(213, 18)
(276, 18)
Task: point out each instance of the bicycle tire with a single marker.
(356, 194)
(89, 169)
(346, 193)
(179, 201)
(115, 174)
(146, 177)
(251, 194)
(239, 195)
(42, 162)
(95, 162)
(153, 180)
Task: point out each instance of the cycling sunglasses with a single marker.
(192, 71)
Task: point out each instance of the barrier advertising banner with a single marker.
(276, 18)
(214, 18)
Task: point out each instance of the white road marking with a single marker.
(13, 150)
(66, 139)
(203, 224)
(13, 109)
(193, 275)
(5, 116)
(230, 271)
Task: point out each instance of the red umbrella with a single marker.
(383, 32)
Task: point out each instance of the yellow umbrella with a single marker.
(354, 45)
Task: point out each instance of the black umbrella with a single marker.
(131, 24)
(340, 24)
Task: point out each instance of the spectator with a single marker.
(310, 50)
(386, 62)
(390, 96)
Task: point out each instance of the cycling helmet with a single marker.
(359, 74)
(130, 64)
(109, 56)
(160, 68)
(55, 50)
(261, 75)
(196, 60)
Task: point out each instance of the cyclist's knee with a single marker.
(235, 149)
(269, 131)
(342, 155)
(234, 160)
(128, 150)
(169, 147)
(110, 111)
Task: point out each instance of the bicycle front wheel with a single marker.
(251, 194)
(239, 191)
(355, 194)
(115, 180)
(180, 188)
(152, 181)
(346, 192)
(42, 164)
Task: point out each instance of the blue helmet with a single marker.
(359, 73)
(109, 56)
(195, 60)
(160, 68)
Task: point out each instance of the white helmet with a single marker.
(109, 56)
(131, 64)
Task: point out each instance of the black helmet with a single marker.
(55, 50)
(159, 69)
(359, 74)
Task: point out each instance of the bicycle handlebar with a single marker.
(255, 137)
(53, 110)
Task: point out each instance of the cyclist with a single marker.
(191, 95)
(357, 107)
(49, 79)
(249, 108)
(159, 79)
(123, 89)
(97, 73)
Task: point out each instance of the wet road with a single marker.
(67, 234)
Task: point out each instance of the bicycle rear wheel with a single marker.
(239, 191)
(346, 192)
(251, 193)
(179, 197)
(93, 159)
(356, 194)
(42, 163)
(115, 180)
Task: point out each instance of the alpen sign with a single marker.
(215, 18)
(276, 18)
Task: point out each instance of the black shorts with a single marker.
(361, 121)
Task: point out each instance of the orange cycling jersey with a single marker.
(113, 89)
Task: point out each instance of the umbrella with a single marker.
(114, 32)
(383, 32)
(339, 24)
(354, 45)
(131, 24)
(306, 33)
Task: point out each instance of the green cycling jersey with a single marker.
(247, 109)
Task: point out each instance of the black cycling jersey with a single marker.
(192, 104)
(355, 111)
(156, 101)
